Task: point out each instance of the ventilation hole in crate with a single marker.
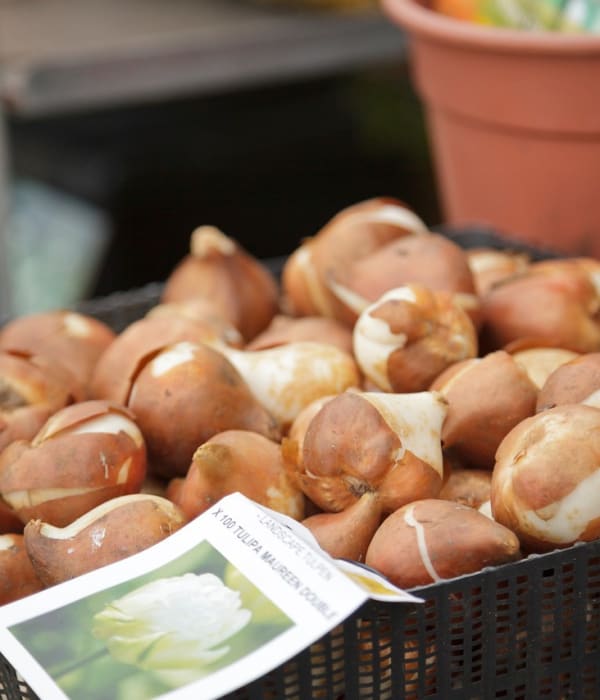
(592, 612)
(565, 685)
(546, 688)
(590, 680)
(592, 618)
(520, 692)
(327, 665)
(292, 687)
(419, 668)
(504, 639)
(375, 659)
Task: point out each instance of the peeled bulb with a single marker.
(546, 478)
(404, 340)
(287, 378)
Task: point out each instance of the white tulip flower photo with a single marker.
(218, 605)
(160, 631)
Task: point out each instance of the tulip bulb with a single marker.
(202, 312)
(70, 339)
(429, 260)
(575, 381)
(118, 367)
(471, 487)
(431, 540)
(186, 394)
(409, 336)
(552, 304)
(490, 266)
(238, 460)
(32, 388)
(486, 397)
(546, 478)
(287, 329)
(18, 576)
(99, 537)
(237, 285)
(311, 272)
(540, 363)
(85, 454)
(370, 441)
(347, 533)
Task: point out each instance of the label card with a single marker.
(224, 600)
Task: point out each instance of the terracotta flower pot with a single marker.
(514, 122)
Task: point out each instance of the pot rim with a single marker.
(429, 24)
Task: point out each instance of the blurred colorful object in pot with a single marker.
(536, 15)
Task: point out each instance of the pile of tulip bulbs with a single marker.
(422, 408)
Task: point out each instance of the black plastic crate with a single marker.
(523, 631)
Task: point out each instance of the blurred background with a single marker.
(127, 123)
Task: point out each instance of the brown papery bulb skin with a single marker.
(539, 363)
(352, 234)
(348, 533)
(237, 285)
(430, 260)
(109, 532)
(547, 306)
(410, 335)
(546, 479)
(432, 540)
(32, 388)
(385, 443)
(299, 426)
(73, 340)
(10, 523)
(18, 578)
(237, 460)
(486, 398)
(203, 312)
(470, 487)
(288, 329)
(490, 266)
(119, 365)
(84, 454)
(576, 381)
(185, 395)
